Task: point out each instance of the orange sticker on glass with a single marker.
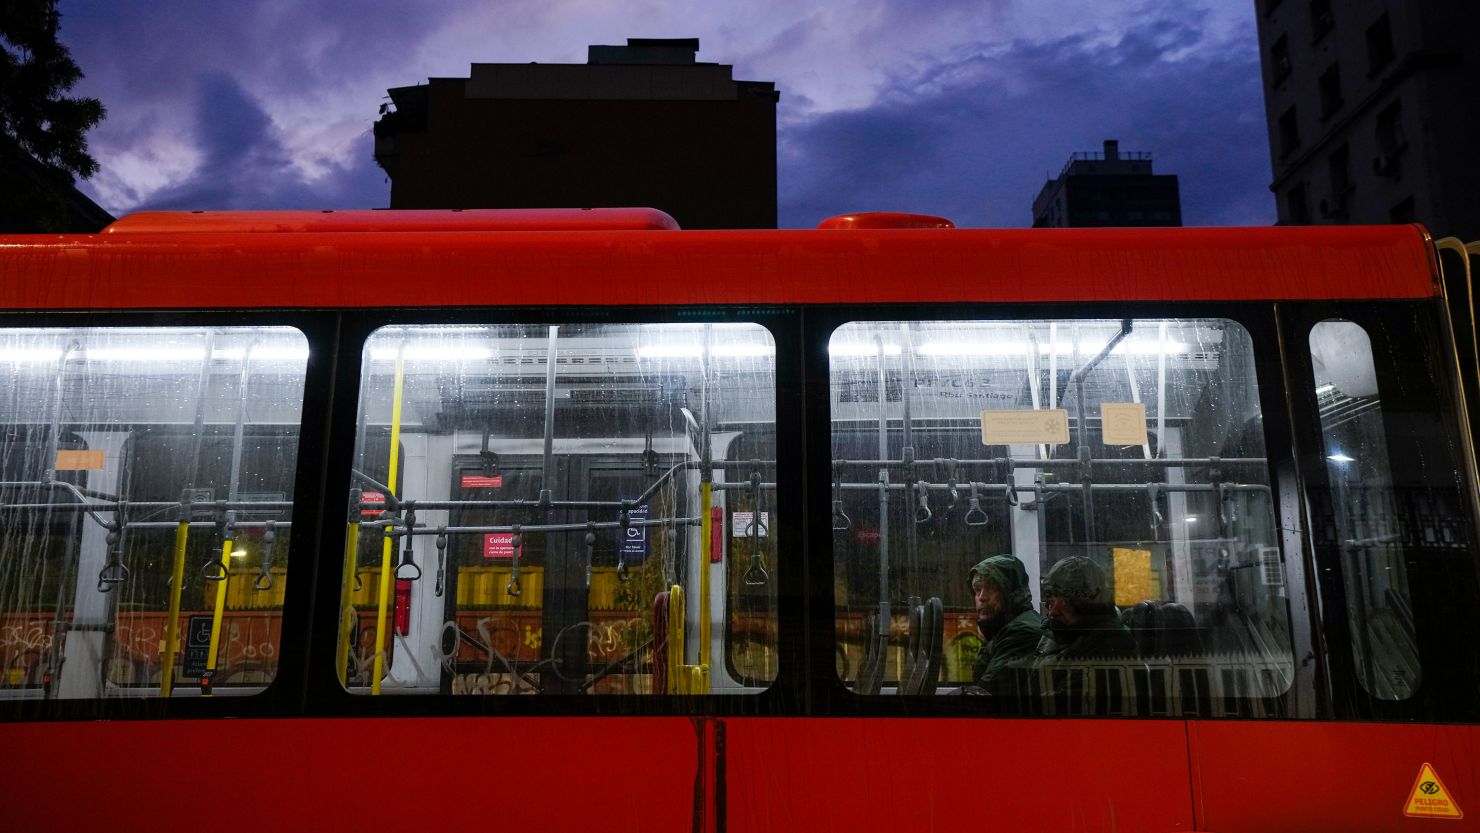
(1429, 799)
(79, 461)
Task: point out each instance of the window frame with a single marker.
(830, 695)
(283, 693)
(325, 696)
(1444, 693)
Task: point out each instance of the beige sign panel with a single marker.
(1025, 427)
(1123, 423)
(80, 460)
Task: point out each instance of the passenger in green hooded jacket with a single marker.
(1010, 628)
(1082, 620)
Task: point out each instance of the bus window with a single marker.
(1364, 511)
(146, 492)
(1119, 466)
(542, 509)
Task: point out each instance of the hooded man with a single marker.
(1082, 623)
(1010, 628)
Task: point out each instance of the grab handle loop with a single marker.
(922, 511)
(590, 541)
(951, 465)
(1009, 482)
(441, 559)
(269, 535)
(517, 541)
(975, 516)
(114, 572)
(408, 569)
(624, 522)
(840, 519)
(1153, 491)
(215, 569)
(755, 575)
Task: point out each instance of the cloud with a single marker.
(974, 138)
(244, 164)
(956, 108)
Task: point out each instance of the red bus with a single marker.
(567, 520)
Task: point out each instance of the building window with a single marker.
(1403, 212)
(1379, 44)
(1390, 140)
(1321, 20)
(1279, 55)
(1297, 205)
(1338, 167)
(1289, 133)
(1330, 84)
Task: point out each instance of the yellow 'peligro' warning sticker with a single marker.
(1428, 798)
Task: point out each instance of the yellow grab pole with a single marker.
(676, 670)
(220, 608)
(385, 552)
(705, 527)
(172, 632)
(346, 609)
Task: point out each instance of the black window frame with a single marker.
(284, 694)
(1447, 692)
(830, 696)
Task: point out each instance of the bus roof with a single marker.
(176, 269)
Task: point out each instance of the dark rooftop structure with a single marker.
(1110, 188)
(37, 199)
(644, 124)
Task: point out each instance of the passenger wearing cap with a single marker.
(1082, 622)
(1004, 614)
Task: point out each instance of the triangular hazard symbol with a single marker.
(1429, 799)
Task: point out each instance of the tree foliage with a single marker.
(36, 71)
(43, 142)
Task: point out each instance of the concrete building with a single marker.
(1111, 188)
(1372, 108)
(643, 124)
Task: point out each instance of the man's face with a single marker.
(989, 601)
(1058, 609)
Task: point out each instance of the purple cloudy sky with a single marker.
(954, 107)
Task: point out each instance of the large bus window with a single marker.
(146, 492)
(1365, 512)
(572, 509)
(1098, 490)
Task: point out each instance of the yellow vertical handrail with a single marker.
(677, 671)
(172, 632)
(346, 609)
(219, 609)
(388, 545)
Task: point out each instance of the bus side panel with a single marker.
(351, 774)
(956, 774)
(1328, 777)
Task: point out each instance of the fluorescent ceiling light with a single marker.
(262, 353)
(857, 348)
(431, 353)
(693, 351)
(1338, 457)
(30, 354)
(994, 347)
